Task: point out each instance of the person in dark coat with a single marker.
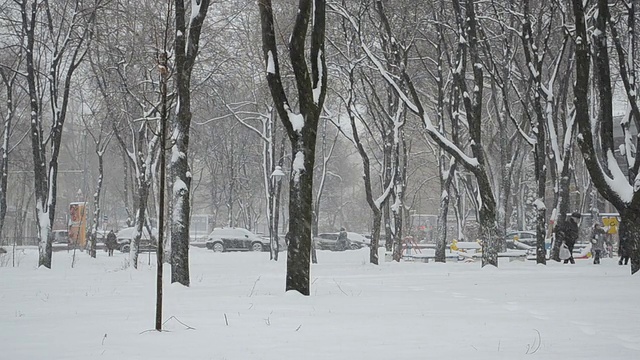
(597, 242)
(624, 245)
(111, 242)
(568, 233)
(342, 240)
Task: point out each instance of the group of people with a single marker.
(567, 236)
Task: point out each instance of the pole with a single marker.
(160, 249)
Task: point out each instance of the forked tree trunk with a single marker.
(301, 127)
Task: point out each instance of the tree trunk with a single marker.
(143, 191)
(629, 232)
(300, 217)
(4, 147)
(301, 127)
(187, 40)
(96, 206)
(441, 240)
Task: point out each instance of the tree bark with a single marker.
(301, 127)
(186, 49)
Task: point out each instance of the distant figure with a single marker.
(111, 242)
(624, 245)
(597, 242)
(341, 244)
(568, 233)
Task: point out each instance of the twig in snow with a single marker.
(533, 348)
(183, 324)
(338, 285)
(254, 286)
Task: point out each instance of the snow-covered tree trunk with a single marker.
(188, 30)
(95, 222)
(446, 165)
(468, 43)
(301, 127)
(8, 79)
(534, 62)
(399, 186)
(560, 154)
(101, 142)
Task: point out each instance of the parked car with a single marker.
(61, 240)
(265, 238)
(328, 241)
(61, 237)
(147, 242)
(236, 239)
(382, 240)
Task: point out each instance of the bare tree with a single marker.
(301, 127)
(101, 141)
(60, 34)
(468, 50)
(9, 76)
(598, 147)
(188, 30)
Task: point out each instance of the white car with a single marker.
(236, 239)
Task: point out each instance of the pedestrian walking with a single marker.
(624, 245)
(342, 242)
(597, 242)
(111, 242)
(567, 233)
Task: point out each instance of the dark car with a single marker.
(236, 239)
(329, 241)
(61, 240)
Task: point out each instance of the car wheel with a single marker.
(256, 246)
(217, 247)
(125, 248)
(355, 246)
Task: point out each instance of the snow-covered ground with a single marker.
(236, 308)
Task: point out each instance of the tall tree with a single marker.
(188, 30)
(597, 147)
(301, 126)
(59, 34)
(101, 139)
(8, 75)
